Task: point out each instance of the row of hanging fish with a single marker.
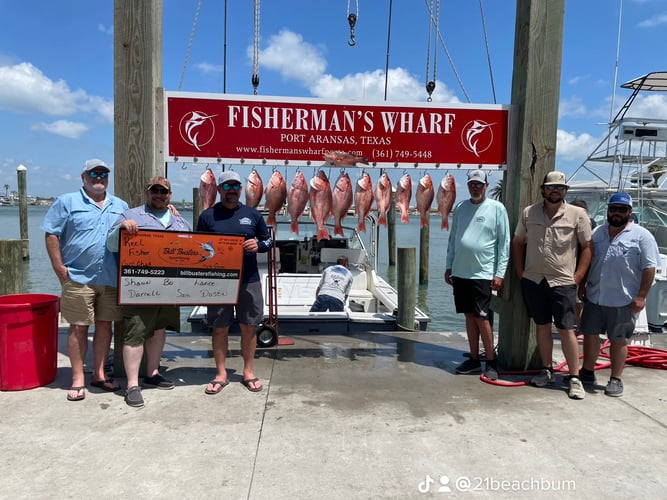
(326, 201)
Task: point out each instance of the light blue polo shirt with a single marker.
(82, 228)
(616, 268)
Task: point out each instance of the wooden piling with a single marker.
(424, 236)
(406, 286)
(391, 231)
(11, 266)
(21, 173)
(196, 206)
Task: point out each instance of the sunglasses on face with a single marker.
(556, 188)
(226, 186)
(98, 175)
(620, 209)
(157, 190)
(476, 185)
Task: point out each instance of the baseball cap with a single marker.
(620, 199)
(477, 176)
(94, 163)
(159, 181)
(555, 178)
(229, 176)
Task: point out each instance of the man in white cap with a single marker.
(230, 216)
(76, 229)
(625, 257)
(544, 252)
(477, 257)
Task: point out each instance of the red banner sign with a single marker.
(254, 130)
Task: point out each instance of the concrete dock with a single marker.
(340, 417)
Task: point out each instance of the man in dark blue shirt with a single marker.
(230, 216)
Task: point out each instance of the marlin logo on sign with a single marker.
(197, 128)
(477, 136)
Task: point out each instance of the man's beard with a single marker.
(617, 222)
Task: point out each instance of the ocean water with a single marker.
(435, 297)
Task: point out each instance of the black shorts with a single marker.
(546, 303)
(249, 309)
(472, 296)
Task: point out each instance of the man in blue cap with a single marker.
(625, 257)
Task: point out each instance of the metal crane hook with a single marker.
(352, 20)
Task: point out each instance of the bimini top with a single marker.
(652, 81)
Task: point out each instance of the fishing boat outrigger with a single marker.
(372, 304)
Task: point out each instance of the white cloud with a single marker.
(653, 21)
(571, 107)
(71, 130)
(300, 61)
(570, 146)
(107, 30)
(24, 89)
(208, 68)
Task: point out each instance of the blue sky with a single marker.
(56, 68)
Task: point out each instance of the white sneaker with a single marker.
(576, 389)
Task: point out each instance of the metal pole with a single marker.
(21, 173)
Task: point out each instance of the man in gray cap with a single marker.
(544, 251)
(625, 257)
(76, 229)
(477, 256)
(230, 216)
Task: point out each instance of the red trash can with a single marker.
(28, 340)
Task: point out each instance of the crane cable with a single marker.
(430, 83)
(189, 48)
(444, 46)
(255, 51)
(488, 52)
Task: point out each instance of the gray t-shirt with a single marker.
(336, 282)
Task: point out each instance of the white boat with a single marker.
(633, 158)
(372, 304)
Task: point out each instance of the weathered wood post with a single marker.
(11, 266)
(196, 207)
(391, 230)
(538, 45)
(21, 174)
(424, 236)
(406, 286)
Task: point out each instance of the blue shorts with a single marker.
(325, 303)
(617, 322)
(249, 308)
(545, 302)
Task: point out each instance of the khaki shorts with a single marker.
(86, 304)
(141, 322)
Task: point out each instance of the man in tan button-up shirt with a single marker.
(544, 250)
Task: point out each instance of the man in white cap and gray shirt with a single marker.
(477, 255)
(76, 229)
(230, 216)
(544, 251)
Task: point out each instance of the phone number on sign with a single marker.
(401, 154)
(143, 271)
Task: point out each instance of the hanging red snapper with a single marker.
(321, 200)
(297, 198)
(342, 201)
(446, 198)
(254, 189)
(275, 196)
(383, 198)
(208, 189)
(363, 200)
(403, 196)
(425, 195)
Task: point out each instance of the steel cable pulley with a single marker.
(352, 21)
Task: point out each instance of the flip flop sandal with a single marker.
(78, 397)
(248, 381)
(221, 385)
(105, 385)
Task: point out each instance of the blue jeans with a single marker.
(327, 303)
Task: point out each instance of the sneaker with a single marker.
(491, 371)
(587, 377)
(133, 397)
(158, 381)
(614, 387)
(576, 390)
(545, 377)
(469, 366)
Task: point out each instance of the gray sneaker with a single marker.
(491, 371)
(544, 378)
(576, 390)
(133, 397)
(469, 366)
(614, 387)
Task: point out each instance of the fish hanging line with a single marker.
(189, 47)
(352, 21)
(255, 50)
(432, 26)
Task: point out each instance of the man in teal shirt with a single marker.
(477, 257)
